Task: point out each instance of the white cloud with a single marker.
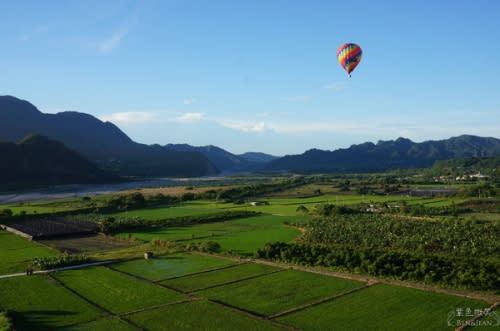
(190, 117)
(244, 126)
(336, 86)
(189, 101)
(303, 127)
(297, 98)
(34, 33)
(128, 117)
(114, 40)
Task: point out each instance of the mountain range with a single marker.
(105, 144)
(111, 149)
(385, 155)
(226, 161)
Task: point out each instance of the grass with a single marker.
(166, 212)
(169, 266)
(16, 251)
(39, 303)
(111, 323)
(287, 206)
(280, 291)
(243, 236)
(114, 291)
(247, 243)
(383, 307)
(198, 315)
(218, 277)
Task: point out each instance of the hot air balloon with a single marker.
(349, 56)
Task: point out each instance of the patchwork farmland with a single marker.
(183, 292)
(226, 274)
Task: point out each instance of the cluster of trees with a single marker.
(455, 237)
(459, 166)
(110, 224)
(6, 213)
(51, 262)
(482, 189)
(137, 200)
(242, 192)
(421, 210)
(206, 247)
(453, 252)
(328, 209)
(460, 272)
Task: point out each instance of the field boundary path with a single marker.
(318, 302)
(103, 310)
(43, 272)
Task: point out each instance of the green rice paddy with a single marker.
(169, 266)
(115, 291)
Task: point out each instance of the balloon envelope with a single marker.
(349, 56)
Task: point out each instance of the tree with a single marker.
(6, 213)
(302, 209)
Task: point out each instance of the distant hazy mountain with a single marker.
(392, 154)
(100, 142)
(226, 161)
(257, 157)
(37, 160)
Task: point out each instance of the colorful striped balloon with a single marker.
(349, 56)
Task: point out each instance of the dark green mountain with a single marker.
(226, 161)
(37, 160)
(392, 154)
(100, 142)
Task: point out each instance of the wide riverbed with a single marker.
(78, 190)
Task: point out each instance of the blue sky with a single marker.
(259, 75)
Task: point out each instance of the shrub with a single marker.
(51, 262)
(5, 322)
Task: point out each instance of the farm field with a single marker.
(383, 307)
(289, 289)
(246, 243)
(169, 266)
(167, 212)
(287, 206)
(115, 291)
(36, 209)
(219, 277)
(199, 315)
(111, 323)
(16, 251)
(39, 303)
(89, 244)
(243, 236)
(237, 297)
(181, 289)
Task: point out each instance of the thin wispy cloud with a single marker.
(34, 33)
(114, 40)
(190, 117)
(128, 117)
(305, 127)
(244, 126)
(189, 101)
(336, 86)
(297, 98)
